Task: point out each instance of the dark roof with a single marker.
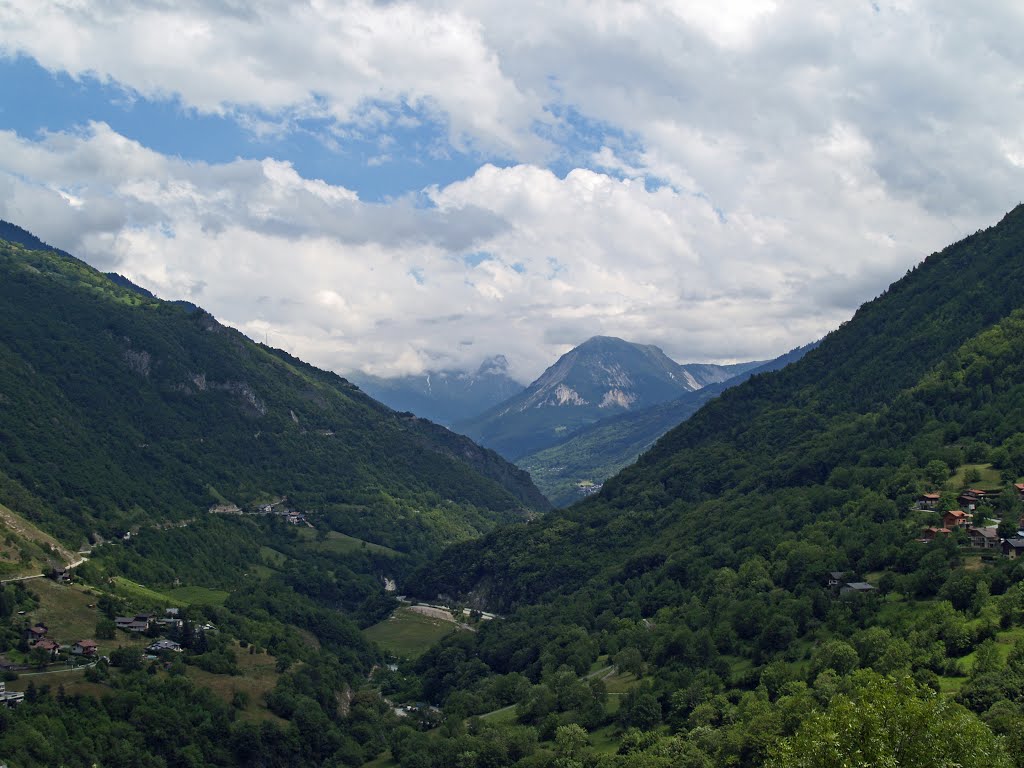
(859, 586)
(1016, 543)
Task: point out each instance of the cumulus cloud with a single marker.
(516, 259)
(742, 175)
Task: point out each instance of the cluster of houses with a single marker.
(980, 536)
(278, 508)
(144, 622)
(36, 637)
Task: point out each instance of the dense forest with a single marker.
(760, 588)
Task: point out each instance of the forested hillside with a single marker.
(117, 408)
(704, 568)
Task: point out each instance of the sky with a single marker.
(395, 187)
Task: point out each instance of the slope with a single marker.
(595, 453)
(117, 408)
(704, 568)
(805, 432)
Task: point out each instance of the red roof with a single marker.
(87, 643)
(47, 644)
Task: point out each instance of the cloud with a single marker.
(727, 181)
(515, 260)
(274, 62)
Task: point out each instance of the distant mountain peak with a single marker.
(493, 366)
(602, 377)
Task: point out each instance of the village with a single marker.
(278, 508)
(982, 530)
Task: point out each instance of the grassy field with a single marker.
(65, 610)
(198, 596)
(137, 593)
(341, 544)
(258, 677)
(990, 480)
(272, 558)
(74, 683)
(408, 634)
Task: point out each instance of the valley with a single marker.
(804, 551)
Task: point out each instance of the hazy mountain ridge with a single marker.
(444, 396)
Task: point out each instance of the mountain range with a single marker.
(443, 396)
(602, 377)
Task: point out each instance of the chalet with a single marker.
(48, 645)
(138, 623)
(956, 518)
(61, 575)
(970, 499)
(84, 648)
(928, 500)
(161, 646)
(929, 533)
(986, 537)
(36, 633)
(1019, 487)
(1013, 548)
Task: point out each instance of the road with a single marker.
(75, 564)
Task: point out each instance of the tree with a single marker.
(937, 472)
(105, 629)
(630, 660)
(886, 723)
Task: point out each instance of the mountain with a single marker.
(116, 408)
(579, 465)
(444, 396)
(602, 377)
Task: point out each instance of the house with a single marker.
(986, 537)
(956, 518)
(1020, 489)
(48, 645)
(36, 633)
(836, 578)
(60, 575)
(137, 623)
(84, 648)
(1013, 548)
(928, 500)
(929, 533)
(163, 645)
